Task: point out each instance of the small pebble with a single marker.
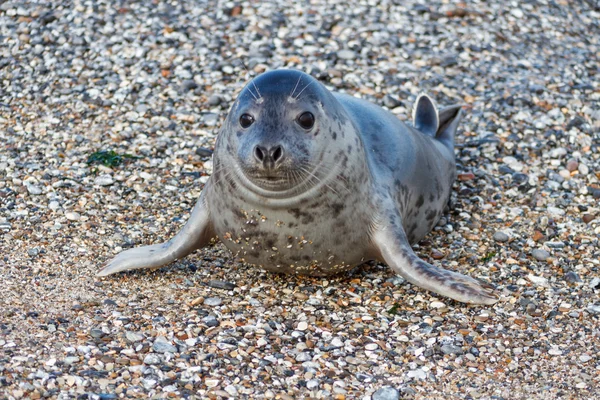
(220, 285)
(104, 180)
(500, 237)
(213, 301)
(72, 216)
(302, 326)
(451, 349)
(386, 393)
(572, 277)
(152, 359)
(346, 54)
(540, 254)
(161, 345)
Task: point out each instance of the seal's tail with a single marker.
(441, 125)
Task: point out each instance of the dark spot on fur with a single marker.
(420, 201)
(430, 215)
(295, 212)
(334, 136)
(337, 208)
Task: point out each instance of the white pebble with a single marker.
(302, 326)
(72, 216)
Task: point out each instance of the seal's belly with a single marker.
(298, 241)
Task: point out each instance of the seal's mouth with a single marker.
(276, 181)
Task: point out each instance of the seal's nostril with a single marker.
(277, 153)
(259, 153)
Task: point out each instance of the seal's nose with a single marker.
(269, 157)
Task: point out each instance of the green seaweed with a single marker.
(394, 309)
(109, 158)
(488, 256)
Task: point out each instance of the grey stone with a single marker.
(96, 333)
(161, 345)
(104, 180)
(501, 237)
(386, 393)
(221, 285)
(210, 320)
(213, 301)
(540, 254)
(451, 349)
(346, 54)
(152, 359)
(214, 100)
(572, 277)
(133, 336)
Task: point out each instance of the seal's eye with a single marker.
(246, 120)
(306, 120)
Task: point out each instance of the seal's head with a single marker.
(280, 134)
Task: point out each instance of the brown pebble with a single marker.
(437, 255)
(196, 301)
(469, 176)
(587, 218)
(572, 165)
(538, 236)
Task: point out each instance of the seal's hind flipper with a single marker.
(425, 115)
(449, 118)
(196, 233)
(392, 245)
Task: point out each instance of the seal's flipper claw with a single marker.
(393, 247)
(196, 233)
(425, 115)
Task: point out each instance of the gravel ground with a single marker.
(155, 80)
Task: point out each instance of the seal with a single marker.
(312, 182)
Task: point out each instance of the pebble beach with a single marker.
(109, 112)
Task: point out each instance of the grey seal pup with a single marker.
(312, 182)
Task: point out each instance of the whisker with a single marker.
(254, 84)
(295, 87)
(307, 85)
(257, 91)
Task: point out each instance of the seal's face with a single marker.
(276, 135)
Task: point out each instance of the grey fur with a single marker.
(359, 185)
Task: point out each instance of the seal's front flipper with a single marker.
(196, 233)
(425, 115)
(393, 247)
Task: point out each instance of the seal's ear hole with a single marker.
(246, 120)
(306, 120)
